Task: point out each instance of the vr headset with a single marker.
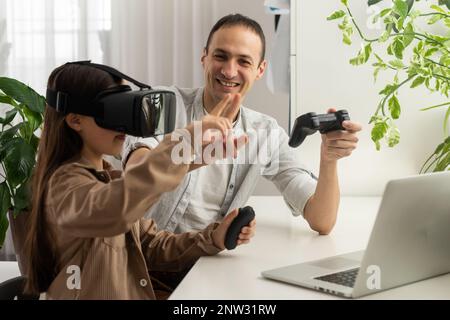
(142, 113)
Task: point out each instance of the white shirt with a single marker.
(279, 164)
(206, 202)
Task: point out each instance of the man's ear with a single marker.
(204, 54)
(261, 69)
(74, 120)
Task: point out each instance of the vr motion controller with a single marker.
(244, 217)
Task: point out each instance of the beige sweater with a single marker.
(97, 218)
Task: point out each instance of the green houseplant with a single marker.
(417, 58)
(18, 145)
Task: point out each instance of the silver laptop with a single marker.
(410, 241)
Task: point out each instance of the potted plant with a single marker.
(18, 146)
(426, 64)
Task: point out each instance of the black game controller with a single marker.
(243, 218)
(309, 123)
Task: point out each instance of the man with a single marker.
(233, 59)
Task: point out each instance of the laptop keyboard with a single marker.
(344, 278)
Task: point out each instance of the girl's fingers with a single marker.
(219, 108)
(232, 107)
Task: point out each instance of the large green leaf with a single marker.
(363, 55)
(19, 161)
(34, 119)
(443, 163)
(22, 93)
(34, 142)
(401, 8)
(438, 9)
(10, 115)
(394, 107)
(336, 15)
(410, 5)
(397, 64)
(389, 89)
(3, 227)
(7, 135)
(408, 36)
(398, 47)
(5, 198)
(417, 81)
(21, 199)
(5, 204)
(386, 34)
(7, 100)
(379, 130)
(393, 136)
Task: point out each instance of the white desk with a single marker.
(282, 239)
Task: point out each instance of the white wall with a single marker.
(326, 79)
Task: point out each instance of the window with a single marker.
(44, 34)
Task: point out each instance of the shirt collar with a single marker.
(107, 167)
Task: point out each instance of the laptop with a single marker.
(410, 241)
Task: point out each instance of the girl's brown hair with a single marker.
(58, 144)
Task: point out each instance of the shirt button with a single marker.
(231, 186)
(143, 282)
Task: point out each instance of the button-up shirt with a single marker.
(267, 154)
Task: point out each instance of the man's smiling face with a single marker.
(232, 63)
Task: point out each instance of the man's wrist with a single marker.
(327, 166)
(328, 162)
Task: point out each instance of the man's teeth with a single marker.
(228, 84)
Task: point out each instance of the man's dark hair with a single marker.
(237, 19)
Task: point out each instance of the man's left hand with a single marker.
(341, 143)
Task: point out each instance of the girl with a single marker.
(87, 238)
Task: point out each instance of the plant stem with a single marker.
(433, 14)
(381, 105)
(432, 40)
(436, 106)
(357, 27)
(441, 77)
(437, 63)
